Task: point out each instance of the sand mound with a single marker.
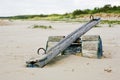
(4, 22)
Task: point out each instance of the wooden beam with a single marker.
(63, 44)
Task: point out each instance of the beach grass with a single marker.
(42, 26)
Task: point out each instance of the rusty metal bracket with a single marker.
(41, 49)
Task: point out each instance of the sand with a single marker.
(19, 42)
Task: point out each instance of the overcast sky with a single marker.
(21, 7)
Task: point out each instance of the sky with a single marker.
(24, 7)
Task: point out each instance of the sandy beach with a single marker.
(19, 42)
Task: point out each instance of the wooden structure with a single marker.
(62, 45)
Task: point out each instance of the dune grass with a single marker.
(42, 26)
(110, 21)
